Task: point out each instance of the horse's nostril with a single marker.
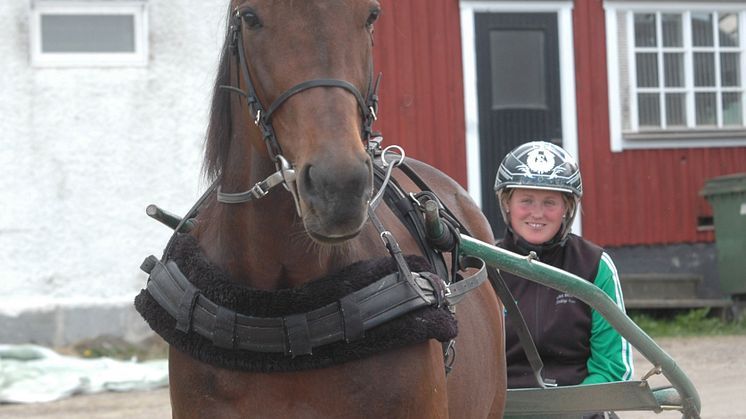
(307, 179)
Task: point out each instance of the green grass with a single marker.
(699, 322)
(117, 348)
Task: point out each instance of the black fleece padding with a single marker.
(415, 327)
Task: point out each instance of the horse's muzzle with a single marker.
(334, 195)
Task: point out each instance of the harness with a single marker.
(350, 317)
(346, 319)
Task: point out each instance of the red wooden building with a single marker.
(648, 95)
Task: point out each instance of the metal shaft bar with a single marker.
(558, 279)
(169, 219)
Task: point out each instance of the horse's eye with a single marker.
(251, 19)
(374, 13)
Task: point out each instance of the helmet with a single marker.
(540, 165)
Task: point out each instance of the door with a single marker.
(518, 91)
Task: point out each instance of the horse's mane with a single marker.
(219, 131)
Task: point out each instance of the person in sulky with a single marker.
(538, 188)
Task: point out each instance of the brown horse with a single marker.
(284, 240)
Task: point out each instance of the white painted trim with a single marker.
(742, 41)
(568, 94)
(567, 79)
(617, 141)
(612, 63)
(675, 6)
(471, 108)
(136, 8)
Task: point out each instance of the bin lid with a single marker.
(724, 184)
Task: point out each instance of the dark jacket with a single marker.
(559, 323)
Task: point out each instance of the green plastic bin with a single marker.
(727, 196)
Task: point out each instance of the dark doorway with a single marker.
(518, 91)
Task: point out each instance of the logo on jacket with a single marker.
(565, 299)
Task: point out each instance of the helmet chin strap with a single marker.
(539, 249)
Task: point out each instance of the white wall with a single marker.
(83, 151)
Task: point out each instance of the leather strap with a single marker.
(463, 285)
(368, 106)
(402, 207)
(516, 319)
(346, 319)
(294, 335)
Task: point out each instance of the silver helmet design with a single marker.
(540, 165)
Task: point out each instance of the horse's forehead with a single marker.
(310, 8)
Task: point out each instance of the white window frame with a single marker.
(691, 136)
(136, 8)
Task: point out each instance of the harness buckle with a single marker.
(258, 192)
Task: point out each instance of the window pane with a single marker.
(728, 26)
(518, 82)
(649, 113)
(645, 30)
(671, 30)
(730, 69)
(705, 108)
(647, 69)
(732, 109)
(87, 33)
(674, 67)
(702, 29)
(704, 69)
(676, 109)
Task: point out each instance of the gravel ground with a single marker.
(716, 365)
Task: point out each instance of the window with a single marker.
(91, 33)
(676, 74)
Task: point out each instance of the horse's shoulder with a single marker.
(434, 175)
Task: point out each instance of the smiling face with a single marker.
(535, 214)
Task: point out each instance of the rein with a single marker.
(285, 173)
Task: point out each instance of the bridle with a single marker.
(285, 174)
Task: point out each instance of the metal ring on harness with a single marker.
(389, 149)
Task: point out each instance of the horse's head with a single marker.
(318, 126)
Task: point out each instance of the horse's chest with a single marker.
(386, 386)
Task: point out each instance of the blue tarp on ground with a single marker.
(32, 374)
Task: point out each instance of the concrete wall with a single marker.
(690, 258)
(83, 151)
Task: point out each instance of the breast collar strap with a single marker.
(347, 319)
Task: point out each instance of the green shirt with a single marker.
(611, 354)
